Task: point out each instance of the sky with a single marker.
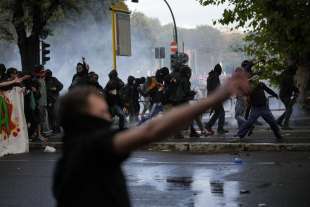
(188, 13)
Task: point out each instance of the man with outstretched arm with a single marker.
(89, 171)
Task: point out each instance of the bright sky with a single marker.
(188, 13)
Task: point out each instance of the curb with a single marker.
(205, 147)
(228, 147)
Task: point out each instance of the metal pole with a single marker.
(113, 38)
(175, 26)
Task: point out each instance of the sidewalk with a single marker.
(261, 140)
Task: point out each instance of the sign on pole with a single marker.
(123, 34)
(160, 53)
(173, 47)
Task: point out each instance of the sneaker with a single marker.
(194, 134)
(210, 131)
(204, 133)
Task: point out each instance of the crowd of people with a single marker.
(40, 93)
(157, 94)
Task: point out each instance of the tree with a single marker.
(26, 21)
(278, 32)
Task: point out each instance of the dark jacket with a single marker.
(114, 85)
(258, 97)
(131, 95)
(89, 172)
(79, 79)
(179, 89)
(213, 82)
(53, 87)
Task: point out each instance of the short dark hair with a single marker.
(11, 71)
(74, 104)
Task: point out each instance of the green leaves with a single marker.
(276, 30)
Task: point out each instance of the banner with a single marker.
(13, 125)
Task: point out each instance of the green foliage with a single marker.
(276, 30)
(32, 16)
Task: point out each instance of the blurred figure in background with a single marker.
(2, 72)
(288, 95)
(41, 102)
(213, 82)
(81, 76)
(112, 91)
(131, 98)
(53, 88)
(93, 80)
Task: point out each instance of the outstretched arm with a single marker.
(178, 118)
(269, 90)
(11, 82)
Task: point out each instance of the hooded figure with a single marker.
(112, 93)
(131, 98)
(288, 94)
(213, 83)
(89, 172)
(113, 88)
(81, 76)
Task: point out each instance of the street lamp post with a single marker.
(175, 25)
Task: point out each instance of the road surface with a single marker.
(175, 179)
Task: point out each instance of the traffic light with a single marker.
(135, 1)
(44, 52)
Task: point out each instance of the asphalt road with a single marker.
(174, 179)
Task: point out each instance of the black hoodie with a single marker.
(89, 171)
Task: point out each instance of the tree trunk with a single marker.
(29, 49)
(303, 77)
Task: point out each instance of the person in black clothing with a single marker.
(131, 91)
(93, 81)
(213, 82)
(2, 72)
(112, 92)
(89, 171)
(53, 87)
(81, 76)
(288, 95)
(260, 107)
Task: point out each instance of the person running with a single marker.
(213, 82)
(260, 108)
(89, 172)
(288, 95)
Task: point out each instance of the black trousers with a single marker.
(219, 114)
